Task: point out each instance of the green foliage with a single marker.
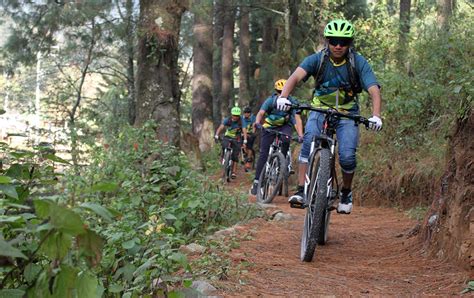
(422, 98)
(41, 249)
(469, 287)
(160, 204)
(137, 202)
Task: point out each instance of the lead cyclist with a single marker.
(337, 86)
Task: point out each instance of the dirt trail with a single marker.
(368, 253)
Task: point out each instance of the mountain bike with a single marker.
(227, 160)
(275, 171)
(321, 188)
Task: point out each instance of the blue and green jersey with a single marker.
(233, 128)
(276, 118)
(248, 123)
(336, 81)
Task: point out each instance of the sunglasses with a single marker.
(343, 42)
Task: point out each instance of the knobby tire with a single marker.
(319, 171)
(270, 180)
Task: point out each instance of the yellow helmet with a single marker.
(279, 84)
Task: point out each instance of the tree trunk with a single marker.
(295, 37)
(202, 77)
(354, 9)
(130, 61)
(265, 77)
(322, 23)
(404, 30)
(218, 32)
(445, 11)
(157, 76)
(244, 59)
(227, 99)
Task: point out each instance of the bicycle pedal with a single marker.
(298, 206)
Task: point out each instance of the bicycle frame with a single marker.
(320, 179)
(326, 140)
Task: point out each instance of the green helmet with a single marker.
(339, 28)
(235, 111)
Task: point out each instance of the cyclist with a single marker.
(276, 120)
(344, 75)
(233, 134)
(249, 120)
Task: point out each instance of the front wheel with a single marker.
(271, 178)
(227, 166)
(319, 173)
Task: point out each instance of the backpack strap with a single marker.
(322, 65)
(354, 79)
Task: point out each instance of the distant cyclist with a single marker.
(340, 74)
(249, 120)
(276, 120)
(234, 130)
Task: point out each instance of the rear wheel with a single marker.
(319, 172)
(271, 178)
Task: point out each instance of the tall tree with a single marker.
(445, 10)
(354, 9)
(265, 74)
(218, 32)
(202, 78)
(157, 75)
(227, 59)
(405, 6)
(322, 22)
(244, 59)
(295, 36)
(130, 45)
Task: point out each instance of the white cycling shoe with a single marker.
(344, 208)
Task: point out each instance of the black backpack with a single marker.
(354, 81)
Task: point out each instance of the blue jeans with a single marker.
(347, 136)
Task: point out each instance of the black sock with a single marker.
(345, 191)
(300, 188)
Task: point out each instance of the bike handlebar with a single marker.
(332, 111)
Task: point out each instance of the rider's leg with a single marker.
(347, 180)
(348, 137)
(285, 146)
(235, 156)
(266, 140)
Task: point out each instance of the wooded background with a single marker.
(123, 86)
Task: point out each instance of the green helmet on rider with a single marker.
(235, 111)
(339, 28)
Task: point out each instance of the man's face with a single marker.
(235, 118)
(246, 115)
(338, 46)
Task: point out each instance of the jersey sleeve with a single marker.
(366, 74)
(267, 104)
(226, 121)
(310, 64)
